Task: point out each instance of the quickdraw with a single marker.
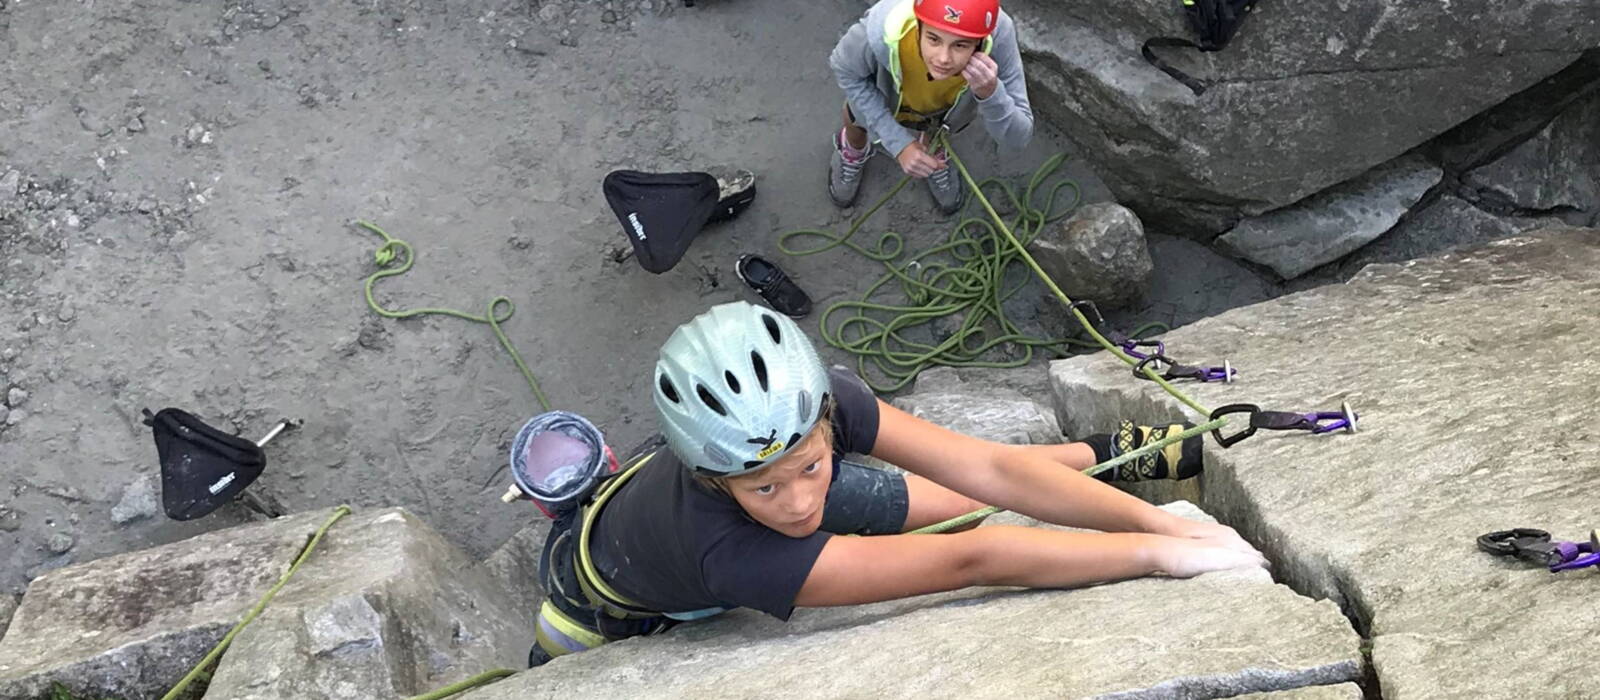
(1535, 546)
(1315, 422)
(1157, 360)
(1175, 370)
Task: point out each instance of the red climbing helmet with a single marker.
(974, 19)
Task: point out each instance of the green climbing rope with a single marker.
(975, 288)
(966, 276)
(227, 639)
(466, 685)
(391, 250)
(944, 141)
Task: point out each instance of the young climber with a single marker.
(909, 66)
(744, 508)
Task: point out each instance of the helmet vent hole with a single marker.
(709, 400)
(733, 382)
(668, 390)
(803, 407)
(760, 367)
(772, 329)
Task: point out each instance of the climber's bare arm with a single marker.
(855, 570)
(1025, 479)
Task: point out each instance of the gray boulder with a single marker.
(138, 501)
(514, 566)
(8, 607)
(1099, 253)
(992, 413)
(389, 609)
(1217, 635)
(1467, 426)
(1446, 224)
(131, 625)
(1331, 224)
(1305, 96)
(1556, 170)
(383, 608)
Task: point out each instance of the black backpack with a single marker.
(1215, 21)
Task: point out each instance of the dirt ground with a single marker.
(177, 232)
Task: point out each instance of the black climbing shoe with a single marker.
(1186, 455)
(780, 292)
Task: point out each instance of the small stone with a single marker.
(9, 520)
(138, 501)
(66, 313)
(134, 125)
(89, 122)
(10, 185)
(373, 335)
(73, 221)
(192, 135)
(5, 414)
(8, 354)
(521, 242)
(264, 65)
(16, 397)
(60, 543)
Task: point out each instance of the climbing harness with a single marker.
(1316, 422)
(499, 310)
(581, 611)
(1536, 547)
(1214, 21)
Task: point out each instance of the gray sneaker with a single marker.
(844, 176)
(946, 188)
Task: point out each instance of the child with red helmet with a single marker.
(909, 65)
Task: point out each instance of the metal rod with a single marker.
(273, 433)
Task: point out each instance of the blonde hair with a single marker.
(823, 430)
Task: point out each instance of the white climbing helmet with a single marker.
(737, 388)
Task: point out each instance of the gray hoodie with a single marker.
(864, 63)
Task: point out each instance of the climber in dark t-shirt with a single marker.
(689, 547)
(744, 508)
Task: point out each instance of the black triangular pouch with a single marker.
(661, 213)
(201, 467)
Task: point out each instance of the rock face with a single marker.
(1214, 636)
(1467, 426)
(1303, 98)
(1099, 253)
(998, 414)
(1556, 170)
(1446, 224)
(130, 626)
(1331, 224)
(8, 607)
(383, 608)
(388, 610)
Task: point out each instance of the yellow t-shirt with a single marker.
(919, 96)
